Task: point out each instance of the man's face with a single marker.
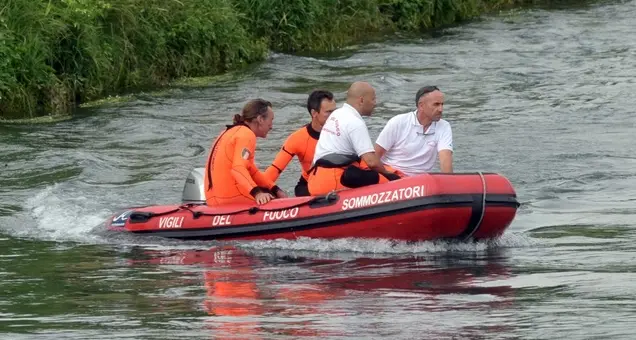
(431, 105)
(326, 108)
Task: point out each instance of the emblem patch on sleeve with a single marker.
(245, 153)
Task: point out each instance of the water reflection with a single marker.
(249, 294)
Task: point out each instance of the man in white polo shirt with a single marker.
(411, 142)
(345, 156)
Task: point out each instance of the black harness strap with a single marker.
(334, 160)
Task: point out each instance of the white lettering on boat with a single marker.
(383, 197)
(221, 220)
(280, 215)
(171, 222)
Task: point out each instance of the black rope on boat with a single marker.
(332, 196)
(479, 207)
(143, 216)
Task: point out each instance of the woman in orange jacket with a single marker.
(231, 176)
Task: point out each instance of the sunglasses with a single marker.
(424, 90)
(424, 133)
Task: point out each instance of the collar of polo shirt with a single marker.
(429, 131)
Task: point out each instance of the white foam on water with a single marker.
(57, 216)
(380, 246)
(516, 240)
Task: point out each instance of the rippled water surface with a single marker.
(543, 96)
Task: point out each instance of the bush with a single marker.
(68, 51)
(58, 53)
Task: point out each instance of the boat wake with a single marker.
(381, 246)
(57, 215)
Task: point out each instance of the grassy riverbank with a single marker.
(55, 54)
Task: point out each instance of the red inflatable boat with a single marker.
(427, 207)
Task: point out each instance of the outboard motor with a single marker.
(193, 189)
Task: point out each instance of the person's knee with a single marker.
(354, 177)
(398, 174)
(391, 176)
(315, 185)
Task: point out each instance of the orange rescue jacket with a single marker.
(302, 144)
(230, 173)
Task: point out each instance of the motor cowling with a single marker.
(193, 191)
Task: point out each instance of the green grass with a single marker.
(56, 54)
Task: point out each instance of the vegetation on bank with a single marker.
(55, 54)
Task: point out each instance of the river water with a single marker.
(544, 96)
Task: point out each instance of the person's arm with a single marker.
(242, 164)
(386, 139)
(365, 150)
(446, 161)
(374, 163)
(282, 159)
(259, 178)
(445, 150)
(379, 151)
(263, 181)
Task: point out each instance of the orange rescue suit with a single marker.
(230, 173)
(302, 144)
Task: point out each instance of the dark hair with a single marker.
(316, 98)
(424, 90)
(251, 110)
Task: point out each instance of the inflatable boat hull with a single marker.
(419, 208)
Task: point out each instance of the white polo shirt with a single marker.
(344, 133)
(408, 148)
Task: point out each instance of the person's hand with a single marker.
(281, 194)
(278, 192)
(262, 198)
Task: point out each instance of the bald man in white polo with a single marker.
(411, 142)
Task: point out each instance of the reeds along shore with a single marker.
(55, 54)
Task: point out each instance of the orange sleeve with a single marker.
(260, 178)
(283, 157)
(242, 162)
